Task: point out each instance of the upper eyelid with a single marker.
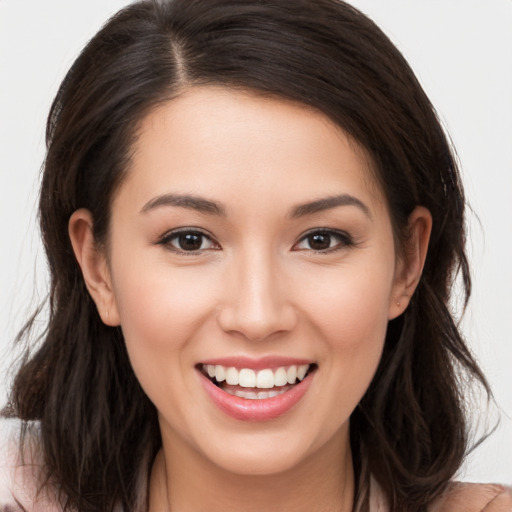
(191, 229)
(329, 231)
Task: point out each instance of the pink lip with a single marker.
(272, 362)
(255, 410)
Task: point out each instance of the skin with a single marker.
(256, 288)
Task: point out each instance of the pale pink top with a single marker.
(18, 483)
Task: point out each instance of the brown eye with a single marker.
(319, 241)
(188, 241)
(324, 241)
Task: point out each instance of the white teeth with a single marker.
(291, 374)
(302, 370)
(242, 393)
(247, 378)
(256, 395)
(280, 378)
(263, 379)
(232, 376)
(220, 373)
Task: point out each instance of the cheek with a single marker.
(350, 307)
(161, 310)
(350, 324)
(346, 308)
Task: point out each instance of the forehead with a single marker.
(231, 144)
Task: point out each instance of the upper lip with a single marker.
(271, 361)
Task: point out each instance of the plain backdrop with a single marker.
(461, 51)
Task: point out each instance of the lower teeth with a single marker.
(257, 395)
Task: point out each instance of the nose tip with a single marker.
(257, 307)
(256, 327)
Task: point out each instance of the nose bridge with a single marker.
(257, 303)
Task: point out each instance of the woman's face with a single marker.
(250, 240)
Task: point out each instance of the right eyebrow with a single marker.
(191, 202)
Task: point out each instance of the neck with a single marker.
(188, 482)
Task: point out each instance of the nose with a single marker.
(257, 301)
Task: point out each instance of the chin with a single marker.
(267, 452)
(259, 462)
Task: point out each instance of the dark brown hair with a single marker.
(409, 431)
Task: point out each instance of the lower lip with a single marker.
(255, 410)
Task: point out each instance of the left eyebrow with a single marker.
(328, 203)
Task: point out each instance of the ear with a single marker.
(93, 263)
(410, 264)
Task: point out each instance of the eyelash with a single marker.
(344, 240)
(166, 240)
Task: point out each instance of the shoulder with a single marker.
(8, 463)
(19, 470)
(467, 497)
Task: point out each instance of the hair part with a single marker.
(97, 425)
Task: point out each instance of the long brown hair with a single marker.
(409, 431)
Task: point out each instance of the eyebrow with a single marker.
(328, 203)
(209, 207)
(199, 204)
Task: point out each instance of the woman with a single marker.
(253, 220)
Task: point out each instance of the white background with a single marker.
(462, 53)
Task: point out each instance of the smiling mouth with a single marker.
(256, 384)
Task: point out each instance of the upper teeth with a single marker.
(248, 378)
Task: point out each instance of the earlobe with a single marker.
(93, 263)
(410, 266)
